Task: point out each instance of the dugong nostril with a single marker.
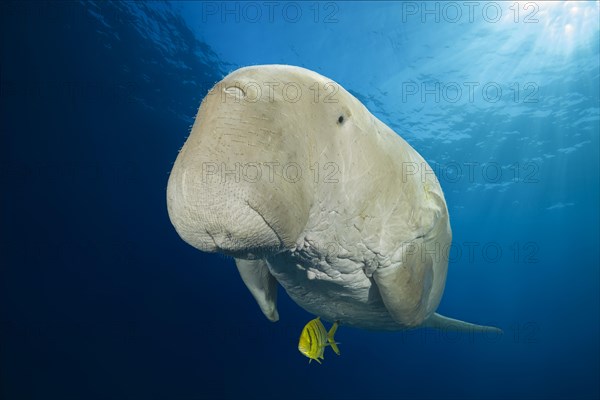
(235, 91)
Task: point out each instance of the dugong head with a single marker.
(242, 184)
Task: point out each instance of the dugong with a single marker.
(292, 176)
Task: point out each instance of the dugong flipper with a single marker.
(291, 175)
(406, 302)
(262, 285)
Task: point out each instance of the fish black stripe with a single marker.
(311, 338)
(322, 336)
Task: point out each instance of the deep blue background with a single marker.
(99, 297)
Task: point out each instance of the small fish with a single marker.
(314, 338)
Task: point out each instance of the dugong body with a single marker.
(292, 176)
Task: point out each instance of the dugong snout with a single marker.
(232, 188)
(217, 211)
(216, 218)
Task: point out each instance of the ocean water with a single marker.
(101, 299)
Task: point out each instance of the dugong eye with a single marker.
(341, 119)
(236, 91)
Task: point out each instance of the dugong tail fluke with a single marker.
(438, 321)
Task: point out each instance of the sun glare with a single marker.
(553, 28)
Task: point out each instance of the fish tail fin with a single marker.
(331, 339)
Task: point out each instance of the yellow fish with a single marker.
(314, 338)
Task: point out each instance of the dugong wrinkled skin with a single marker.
(292, 176)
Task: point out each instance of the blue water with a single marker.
(100, 298)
